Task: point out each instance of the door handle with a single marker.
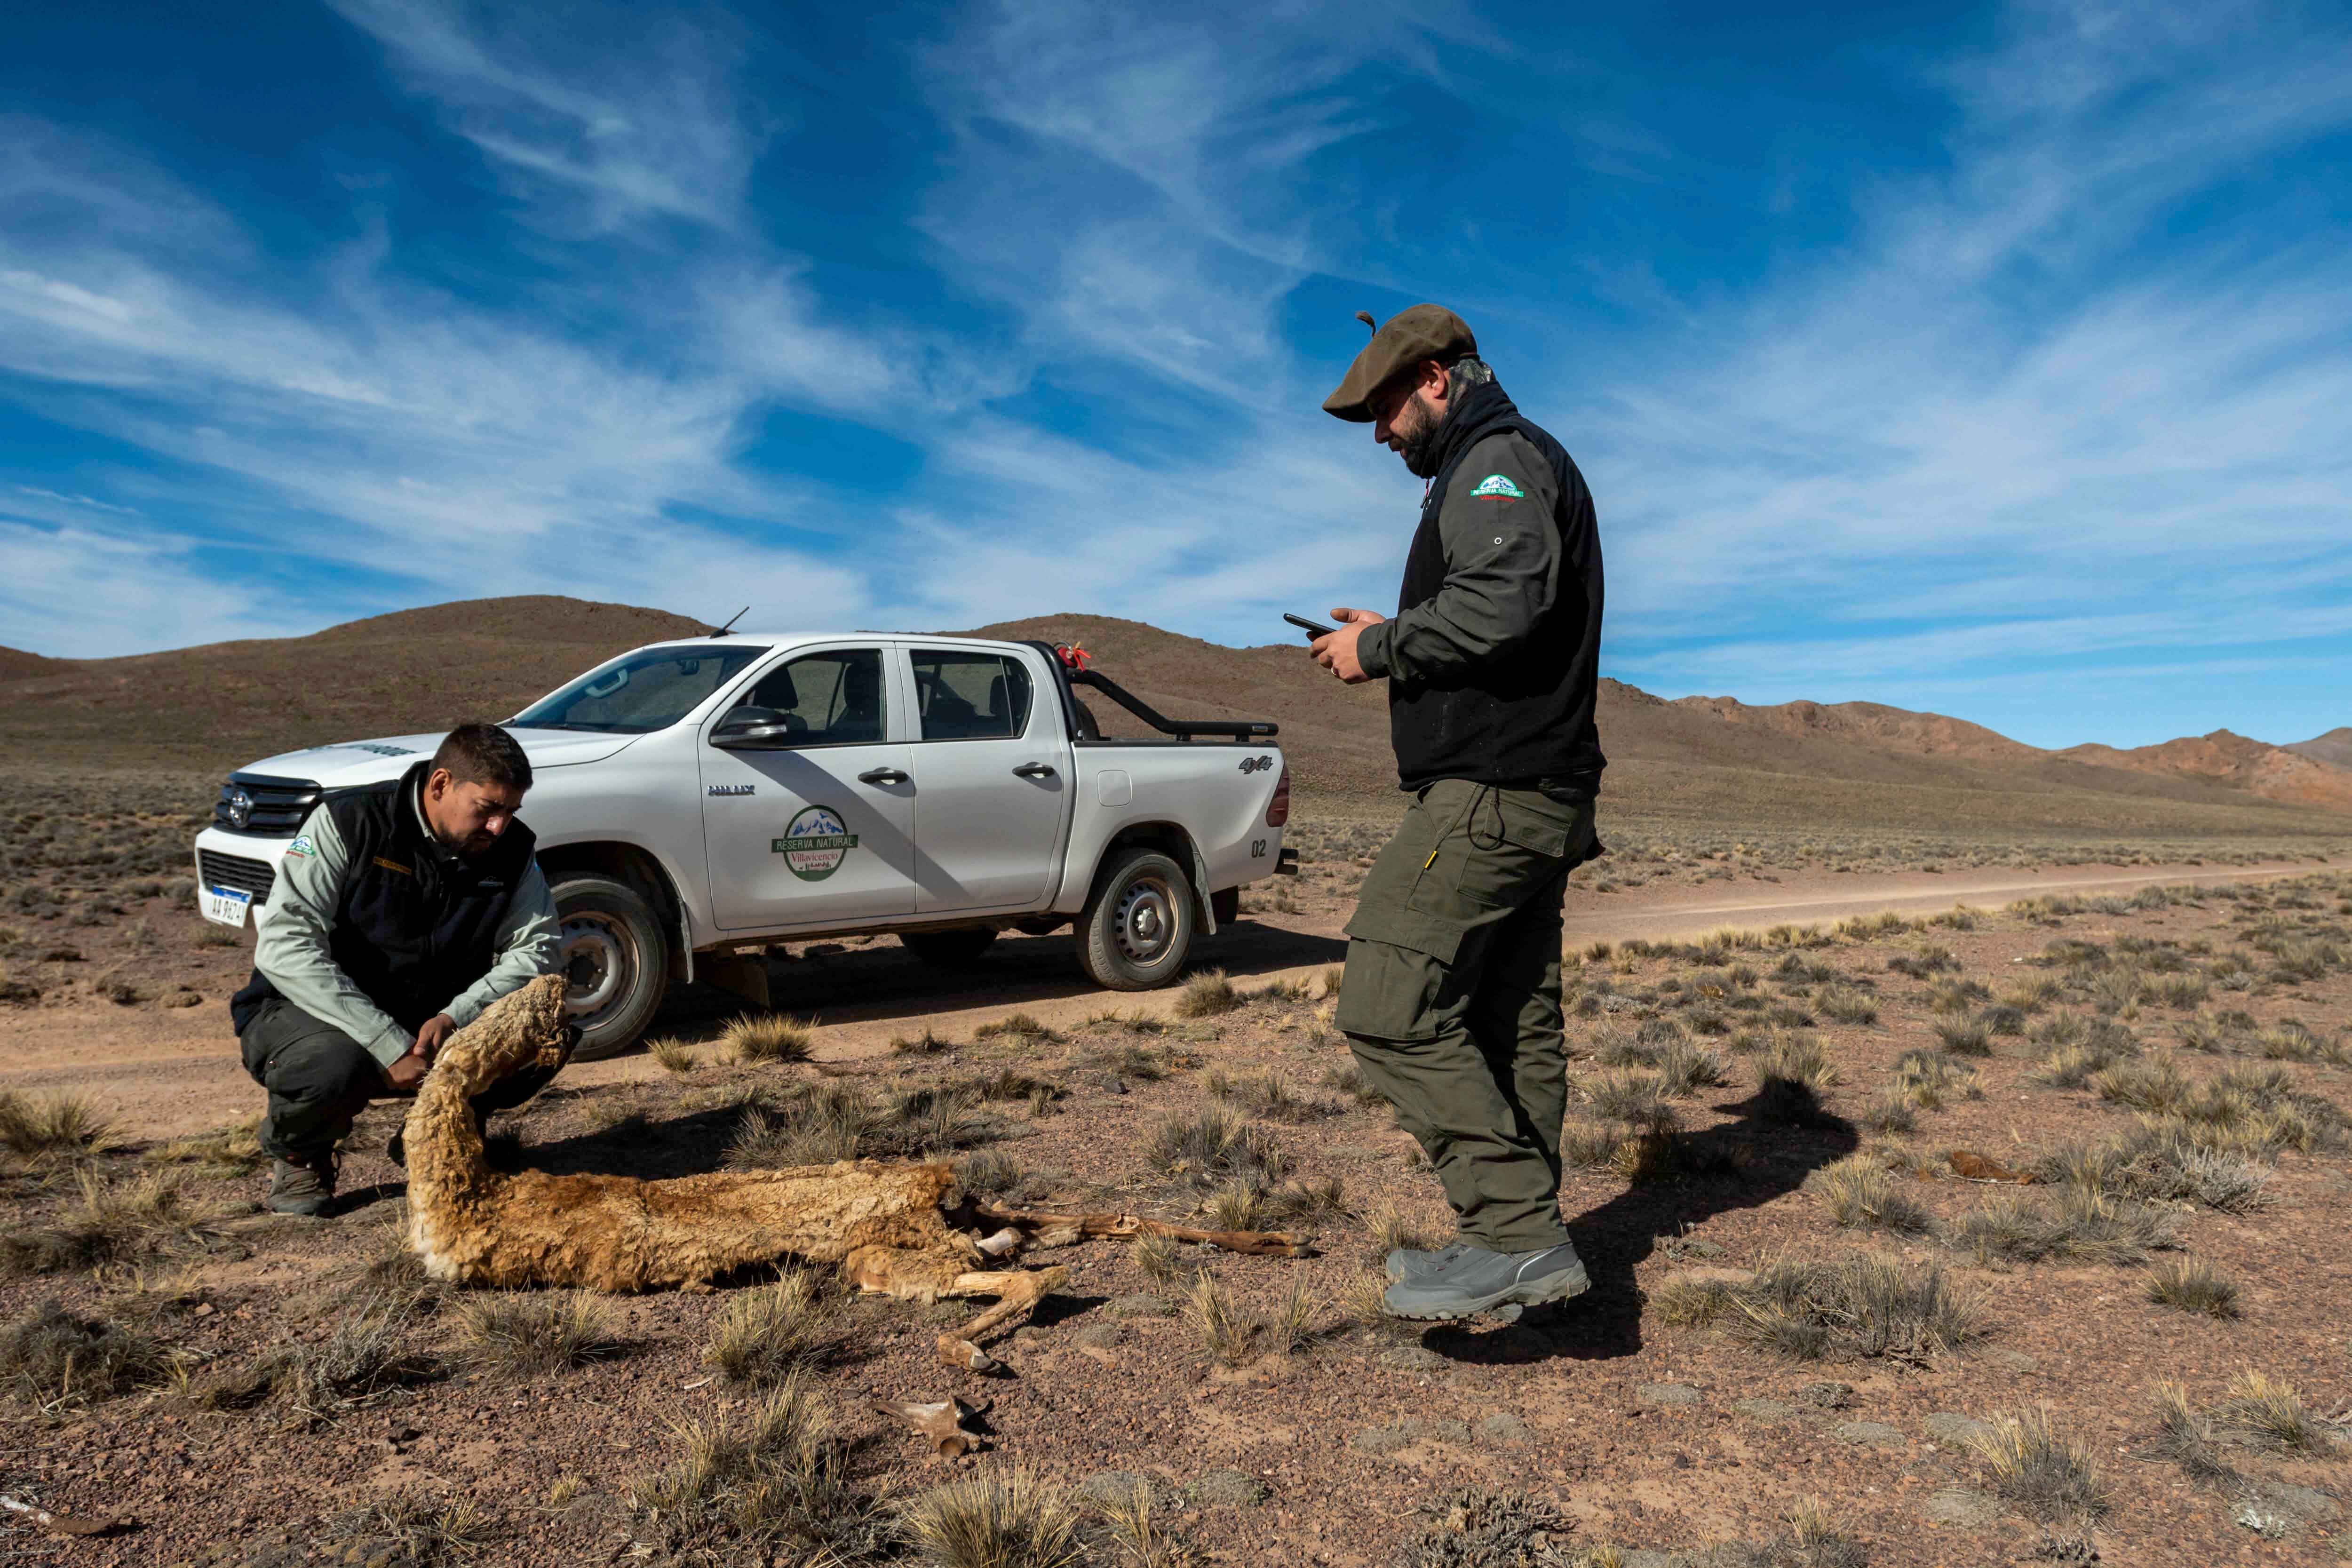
(1032, 771)
(884, 776)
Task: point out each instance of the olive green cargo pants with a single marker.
(1451, 1000)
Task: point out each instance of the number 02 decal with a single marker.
(1257, 849)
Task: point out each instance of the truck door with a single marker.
(808, 803)
(991, 787)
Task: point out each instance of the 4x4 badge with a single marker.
(1256, 764)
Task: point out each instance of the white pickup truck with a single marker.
(717, 794)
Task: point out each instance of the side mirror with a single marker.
(748, 729)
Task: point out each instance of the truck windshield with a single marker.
(642, 693)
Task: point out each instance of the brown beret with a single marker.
(1413, 334)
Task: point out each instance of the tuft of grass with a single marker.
(1964, 1037)
(1269, 1095)
(776, 1476)
(1684, 1067)
(519, 1337)
(2155, 1084)
(1845, 1004)
(2042, 1474)
(1236, 1205)
(1213, 1146)
(2160, 1161)
(429, 1534)
(233, 1150)
(1227, 1333)
(1136, 1532)
(1472, 1526)
(930, 1043)
(55, 1124)
(373, 1347)
(1792, 1075)
(52, 1357)
(768, 1037)
(1293, 1329)
(1867, 1307)
(830, 1121)
(1008, 1519)
(2187, 1438)
(1890, 1113)
(674, 1054)
(1351, 1082)
(2079, 1226)
(2193, 1285)
(988, 1171)
(2265, 1412)
(1929, 1081)
(1392, 1229)
(766, 1335)
(1633, 1097)
(1858, 1195)
(1163, 1258)
(1206, 995)
(112, 1222)
(1016, 1028)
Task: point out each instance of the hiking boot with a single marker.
(301, 1189)
(1475, 1281)
(1407, 1261)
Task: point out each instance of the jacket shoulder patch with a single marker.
(1499, 485)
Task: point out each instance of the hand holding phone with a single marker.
(1312, 628)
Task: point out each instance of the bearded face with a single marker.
(1418, 426)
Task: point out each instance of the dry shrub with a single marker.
(1227, 1332)
(1351, 1082)
(777, 1476)
(1633, 1098)
(768, 1037)
(1011, 1519)
(1964, 1037)
(2159, 1162)
(1792, 1075)
(2187, 1438)
(1846, 1004)
(2265, 1412)
(233, 1150)
(988, 1173)
(1269, 1095)
(1686, 1066)
(1016, 1028)
(2032, 996)
(2079, 1226)
(112, 1222)
(1929, 1081)
(1862, 1307)
(1813, 1540)
(1858, 1195)
(1164, 1260)
(1890, 1113)
(2047, 1476)
(1393, 1229)
(766, 1335)
(1213, 1146)
(517, 1337)
(51, 1357)
(1955, 995)
(1206, 995)
(674, 1054)
(2155, 1084)
(1477, 1528)
(930, 1043)
(54, 1124)
(827, 1122)
(428, 1533)
(2193, 1285)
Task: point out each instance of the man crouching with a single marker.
(400, 912)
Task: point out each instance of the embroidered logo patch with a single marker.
(303, 847)
(1496, 484)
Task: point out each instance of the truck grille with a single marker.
(273, 808)
(216, 869)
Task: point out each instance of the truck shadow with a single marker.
(1743, 1164)
(881, 981)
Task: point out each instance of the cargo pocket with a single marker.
(1508, 844)
(1399, 970)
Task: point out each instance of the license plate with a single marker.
(228, 906)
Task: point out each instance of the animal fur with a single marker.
(886, 1225)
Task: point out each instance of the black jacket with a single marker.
(1494, 658)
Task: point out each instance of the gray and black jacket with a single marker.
(374, 926)
(1493, 658)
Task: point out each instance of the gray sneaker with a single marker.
(1407, 1261)
(1477, 1280)
(301, 1189)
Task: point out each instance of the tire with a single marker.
(1138, 927)
(615, 963)
(948, 949)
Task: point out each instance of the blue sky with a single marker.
(1995, 359)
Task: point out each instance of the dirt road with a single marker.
(162, 1073)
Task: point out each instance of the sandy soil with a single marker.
(163, 1073)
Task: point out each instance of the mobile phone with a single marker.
(1312, 628)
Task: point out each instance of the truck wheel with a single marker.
(614, 960)
(948, 949)
(1139, 922)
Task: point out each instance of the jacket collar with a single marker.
(1480, 407)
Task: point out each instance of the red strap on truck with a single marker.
(1072, 657)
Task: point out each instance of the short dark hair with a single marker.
(482, 753)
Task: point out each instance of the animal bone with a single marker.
(1088, 1227)
(940, 1423)
(894, 1229)
(63, 1523)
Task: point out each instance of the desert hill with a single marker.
(1833, 769)
(2276, 772)
(2335, 747)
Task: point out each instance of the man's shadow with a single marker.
(1783, 1135)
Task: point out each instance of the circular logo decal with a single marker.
(815, 844)
(240, 809)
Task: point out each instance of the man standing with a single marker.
(400, 912)
(1451, 999)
